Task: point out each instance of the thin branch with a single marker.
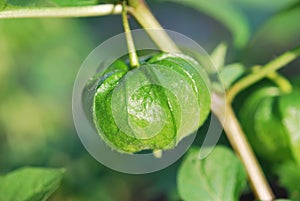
(283, 83)
(270, 67)
(241, 146)
(145, 18)
(134, 60)
(85, 11)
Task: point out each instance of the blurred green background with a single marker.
(39, 60)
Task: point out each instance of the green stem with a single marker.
(145, 18)
(134, 3)
(256, 76)
(84, 11)
(284, 85)
(134, 60)
(223, 110)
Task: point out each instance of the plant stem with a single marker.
(84, 11)
(284, 85)
(223, 110)
(232, 127)
(145, 18)
(256, 76)
(134, 60)
(134, 3)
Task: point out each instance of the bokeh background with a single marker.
(39, 60)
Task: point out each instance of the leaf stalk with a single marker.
(267, 69)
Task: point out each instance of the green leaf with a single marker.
(230, 73)
(289, 177)
(266, 4)
(2, 4)
(227, 13)
(231, 13)
(282, 27)
(30, 184)
(219, 177)
(218, 55)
